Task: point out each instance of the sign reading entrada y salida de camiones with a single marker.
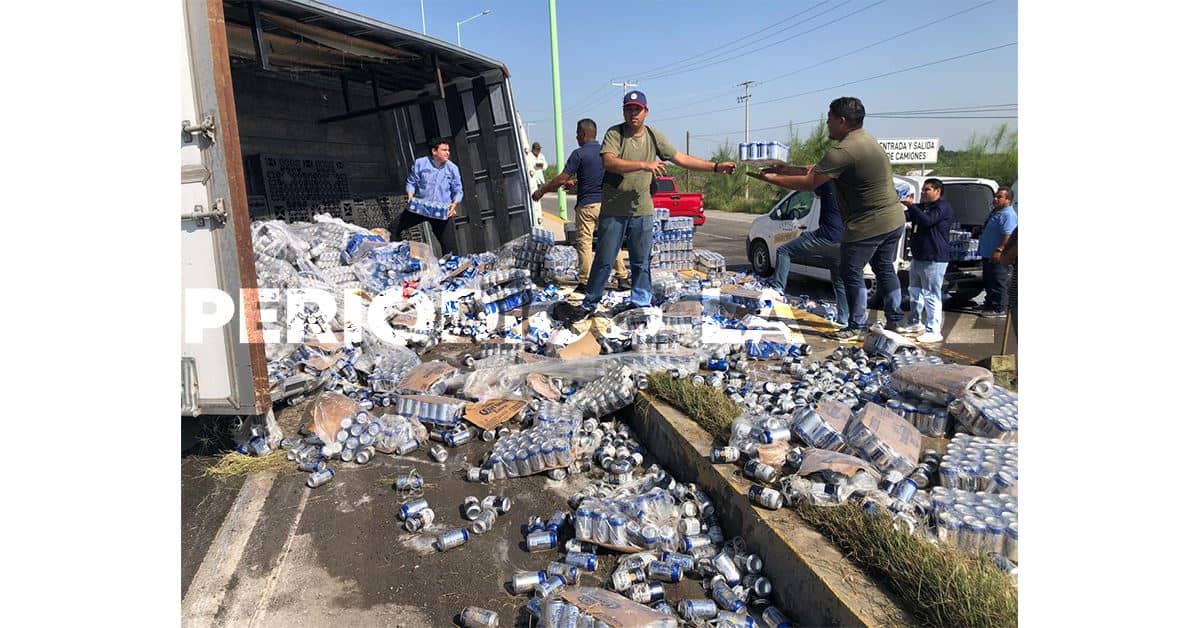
(911, 151)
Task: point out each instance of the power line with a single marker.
(738, 40)
(947, 117)
(914, 29)
(881, 41)
(854, 82)
(738, 54)
(592, 100)
(885, 40)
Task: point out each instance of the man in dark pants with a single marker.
(587, 167)
(872, 214)
(999, 226)
(822, 242)
(633, 153)
(433, 178)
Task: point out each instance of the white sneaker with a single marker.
(914, 328)
(929, 338)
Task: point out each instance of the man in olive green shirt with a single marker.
(633, 155)
(872, 214)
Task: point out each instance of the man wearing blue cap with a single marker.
(633, 154)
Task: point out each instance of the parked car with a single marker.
(667, 195)
(799, 211)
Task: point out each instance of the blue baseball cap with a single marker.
(636, 98)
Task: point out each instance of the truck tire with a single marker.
(760, 258)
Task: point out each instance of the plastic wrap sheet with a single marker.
(326, 412)
(941, 382)
(510, 381)
(887, 440)
(397, 263)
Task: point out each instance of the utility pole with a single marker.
(558, 125)
(745, 85)
(687, 174)
(423, 18)
(625, 85)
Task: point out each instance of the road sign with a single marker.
(911, 151)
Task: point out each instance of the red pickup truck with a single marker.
(666, 195)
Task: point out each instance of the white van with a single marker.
(799, 211)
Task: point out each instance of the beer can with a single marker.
(774, 618)
(581, 560)
(569, 573)
(317, 478)
(696, 610)
(725, 565)
(750, 563)
(451, 539)
(759, 471)
(419, 521)
(768, 498)
(664, 571)
(410, 508)
(409, 482)
(725, 455)
(475, 617)
(541, 540)
(524, 581)
(438, 453)
(500, 503)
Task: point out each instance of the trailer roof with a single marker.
(320, 36)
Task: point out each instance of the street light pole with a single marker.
(458, 25)
(423, 32)
(558, 125)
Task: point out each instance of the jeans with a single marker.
(612, 230)
(811, 242)
(443, 230)
(925, 293)
(995, 283)
(880, 251)
(586, 217)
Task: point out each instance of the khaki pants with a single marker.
(586, 217)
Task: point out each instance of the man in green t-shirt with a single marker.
(871, 212)
(633, 154)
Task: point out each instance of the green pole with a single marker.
(558, 126)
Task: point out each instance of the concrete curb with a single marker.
(814, 582)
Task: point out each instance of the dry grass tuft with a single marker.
(705, 405)
(235, 464)
(941, 586)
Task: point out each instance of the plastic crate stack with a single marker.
(674, 241)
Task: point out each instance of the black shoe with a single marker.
(624, 306)
(992, 313)
(568, 314)
(620, 284)
(847, 334)
(894, 327)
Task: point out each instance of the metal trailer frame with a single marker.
(225, 219)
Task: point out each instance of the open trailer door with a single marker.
(220, 373)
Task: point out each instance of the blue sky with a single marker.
(714, 43)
